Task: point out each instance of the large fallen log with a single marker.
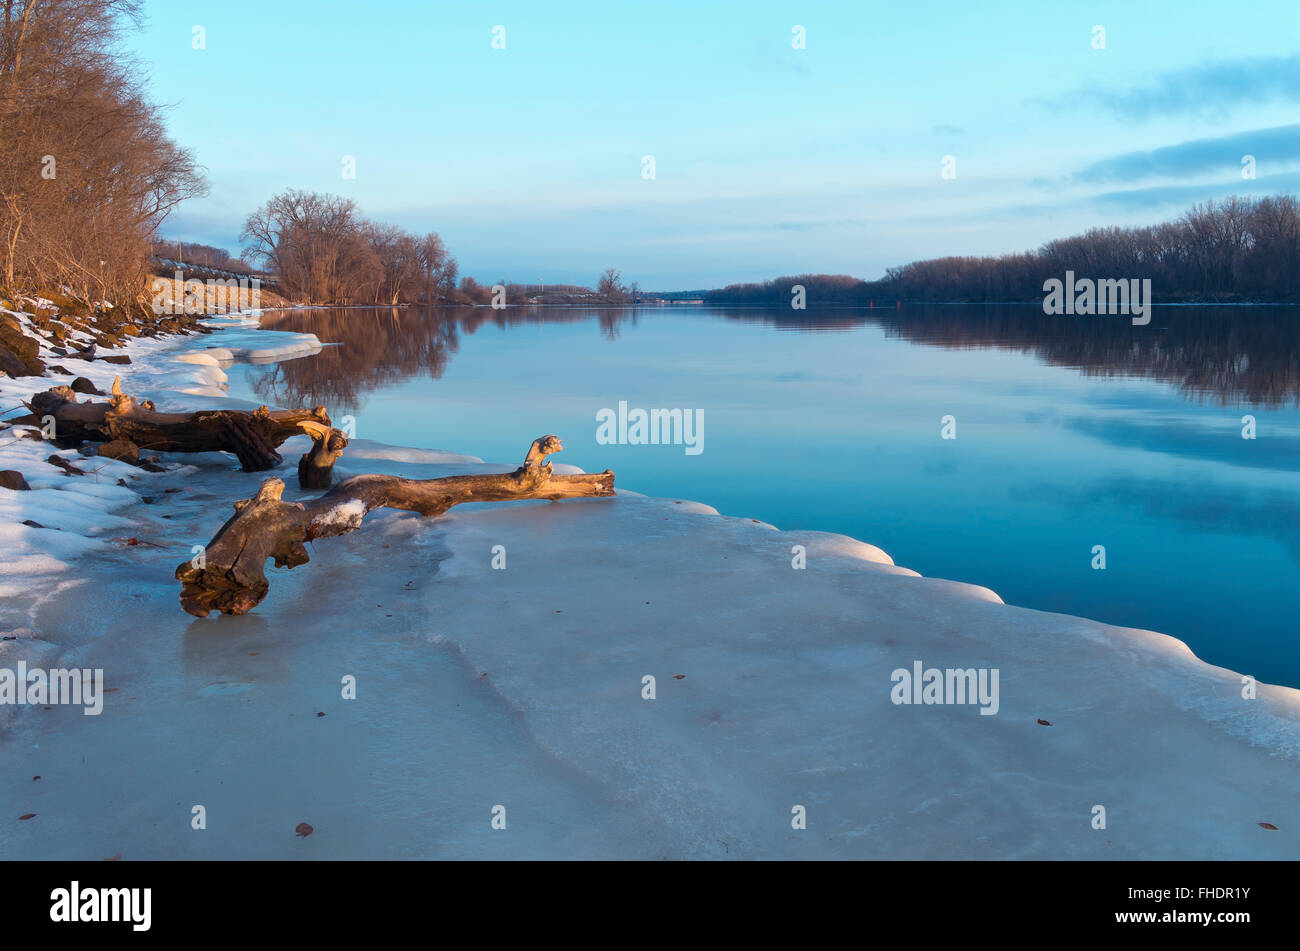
(252, 437)
(229, 574)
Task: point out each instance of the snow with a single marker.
(369, 449)
(261, 346)
(479, 686)
(346, 516)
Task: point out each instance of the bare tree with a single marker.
(610, 286)
(439, 269)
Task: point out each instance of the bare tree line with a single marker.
(1234, 249)
(610, 289)
(323, 251)
(818, 288)
(88, 174)
(87, 171)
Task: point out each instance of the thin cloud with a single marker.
(1209, 90)
(1278, 147)
(1136, 199)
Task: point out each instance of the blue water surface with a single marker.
(1070, 433)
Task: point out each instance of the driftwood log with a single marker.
(252, 437)
(229, 576)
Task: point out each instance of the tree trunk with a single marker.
(229, 575)
(252, 437)
(316, 467)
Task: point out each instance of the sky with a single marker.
(530, 161)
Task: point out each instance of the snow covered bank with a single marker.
(523, 685)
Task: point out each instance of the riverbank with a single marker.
(524, 686)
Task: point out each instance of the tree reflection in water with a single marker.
(1231, 355)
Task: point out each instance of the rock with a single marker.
(20, 355)
(32, 524)
(82, 385)
(60, 369)
(67, 467)
(13, 479)
(121, 449)
(117, 358)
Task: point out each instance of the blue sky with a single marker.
(768, 160)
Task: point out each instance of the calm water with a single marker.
(1071, 433)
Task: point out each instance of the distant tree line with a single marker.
(610, 289)
(1234, 249)
(819, 289)
(87, 172)
(188, 254)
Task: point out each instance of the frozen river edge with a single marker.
(484, 692)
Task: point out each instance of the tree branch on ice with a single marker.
(230, 575)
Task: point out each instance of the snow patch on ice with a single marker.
(261, 346)
(367, 449)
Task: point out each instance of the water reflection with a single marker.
(1233, 356)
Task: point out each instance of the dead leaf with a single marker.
(114, 858)
(679, 676)
(303, 830)
(30, 815)
(1042, 722)
(1269, 826)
